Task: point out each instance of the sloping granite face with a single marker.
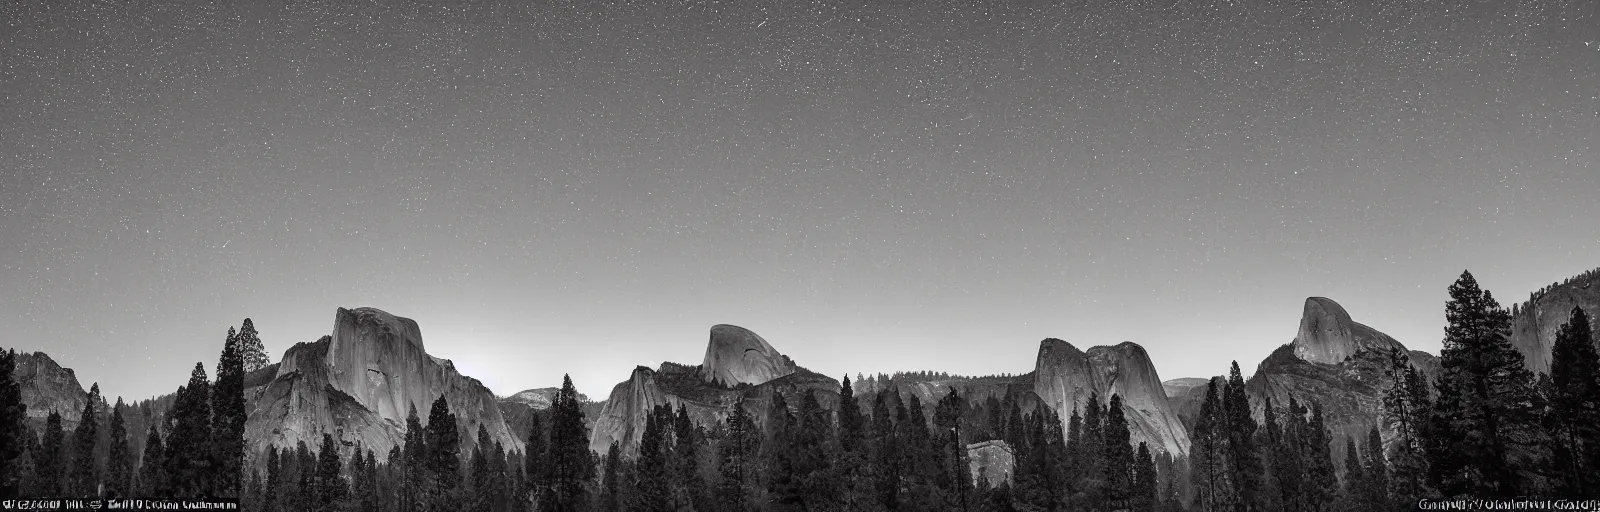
(359, 384)
(1534, 326)
(1338, 363)
(1064, 377)
(622, 417)
(991, 461)
(47, 386)
(737, 356)
(1328, 335)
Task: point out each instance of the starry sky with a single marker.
(580, 187)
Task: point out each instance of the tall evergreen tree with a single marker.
(329, 482)
(444, 450)
(851, 465)
(52, 458)
(1574, 409)
(737, 459)
(886, 457)
(1355, 481)
(189, 454)
(153, 466)
(228, 417)
(608, 491)
(413, 464)
(481, 479)
(533, 457)
(1119, 457)
(1144, 495)
(1376, 469)
(1484, 423)
(569, 462)
(1405, 410)
(85, 479)
(653, 492)
(251, 351)
(1209, 453)
(14, 433)
(270, 497)
(1320, 480)
(809, 455)
(1244, 461)
(119, 463)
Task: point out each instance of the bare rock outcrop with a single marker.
(737, 356)
(1328, 335)
(1534, 323)
(1064, 377)
(359, 384)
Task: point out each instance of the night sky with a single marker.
(587, 186)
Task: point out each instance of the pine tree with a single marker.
(1376, 470)
(653, 494)
(1405, 410)
(153, 466)
(737, 459)
(569, 461)
(534, 457)
(14, 432)
(85, 479)
(1210, 453)
(270, 497)
(1574, 417)
(189, 454)
(1354, 478)
(444, 452)
(953, 477)
(1320, 480)
(251, 351)
(1093, 443)
(1119, 457)
(1484, 422)
(1144, 495)
(119, 465)
(52, 458)
(1244, 461)
(482, 487)
(413, 464)
(886, 456)
(608, 493)
(689, 487)
(851, 466)
(228, 417)
(809, 455)
(330, 485)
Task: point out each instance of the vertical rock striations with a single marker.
(1064, 377)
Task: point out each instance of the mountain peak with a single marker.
(1327, 334)
(736, 355)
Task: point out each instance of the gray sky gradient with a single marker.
(584, 187)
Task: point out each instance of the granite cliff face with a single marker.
(737, 356)
(1328, 335)
(1336, 362)
(1065, 376)
(751, 369)
(47, 386)
(359, 384)
(1534, 323)
(1187, 395)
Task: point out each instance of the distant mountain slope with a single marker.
(359, 384)
(1064, 377)
(1535, 321)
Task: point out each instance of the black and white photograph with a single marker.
(800, 255)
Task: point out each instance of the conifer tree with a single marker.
(1574, 404)
(482, 491)
(1210, 453)
(1405, 410)
(153, 466)
(252, 353)
(14, 433)
(812, 462)
(330, 485)
(534, 457)
(52, 458)
(1244, 461)
(1119, 457)
(413, 463)
(653, 493)
(886, 459)
(1093, 465)
(851, 465)
(1376, 470)
(1484, 422)
(444, 450)
(1144, 495)
(1320, 480)
(189, 454)
(119, 463)
(85, 478)
(270, 498)
(228, 417)
(569, 461)
(608, 493)
(737, 459)
(1354, 480)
